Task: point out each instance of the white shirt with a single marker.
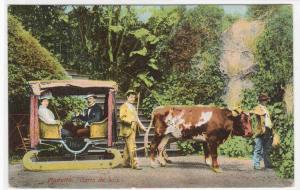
(46, 115)
(131, 107)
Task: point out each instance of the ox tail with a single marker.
(146, 137)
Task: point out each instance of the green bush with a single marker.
(236, 147)
(274, 72)
(27, 60)
(275, 54)
(66, 107)
(189, 147)
(283, 157)
(188, 88)
(194, 76)
(249, 100)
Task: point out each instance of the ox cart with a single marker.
(94, 152)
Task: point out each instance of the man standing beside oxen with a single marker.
(129, 125)
(263, 134)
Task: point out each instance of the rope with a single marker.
(146, 138)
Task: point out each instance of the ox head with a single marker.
(241, 123)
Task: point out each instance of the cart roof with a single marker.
(72, 87)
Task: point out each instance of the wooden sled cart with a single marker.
(93, 152)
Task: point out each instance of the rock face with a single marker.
(237, 59)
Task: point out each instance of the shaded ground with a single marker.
(188, 171)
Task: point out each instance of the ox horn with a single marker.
(236, 111)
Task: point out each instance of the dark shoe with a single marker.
(137, 168)
(126, 166)
(257, 168)
(269, 168)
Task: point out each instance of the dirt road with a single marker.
(188, 171)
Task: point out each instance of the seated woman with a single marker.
(47, 116)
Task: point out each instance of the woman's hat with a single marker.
(46, 95)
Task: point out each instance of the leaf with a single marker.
(147, 80)
(115, 29)
(141, 52)
(64, 18)
(276, 110)
(145, 35)
(153, 65)
(140, 33)
(152, 39)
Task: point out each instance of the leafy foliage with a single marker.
(249, 100)
(199, 31)
(187, 89)
(261, 11)
(187, 147)
(65, 108)
(283, 157)
(105, 42)
(27, 60)
(275, 71)
(275, 54)
(201, 82)
(195, 77)
(236, 147)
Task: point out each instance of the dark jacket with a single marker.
(95, 114)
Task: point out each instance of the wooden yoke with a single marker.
(34, 125)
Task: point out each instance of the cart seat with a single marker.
(50, 131)
(98, 129)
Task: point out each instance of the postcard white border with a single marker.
(4, 76)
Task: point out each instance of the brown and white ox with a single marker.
(210, 125)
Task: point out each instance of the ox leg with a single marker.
(161, 149)
(153, 147)
(165, 155)
(207, 157)
(213, 146)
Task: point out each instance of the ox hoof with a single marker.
(208, 163)
(168, 161)
(217, 170)
(162, 163)
(153, 164)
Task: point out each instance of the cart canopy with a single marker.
(72, 87)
